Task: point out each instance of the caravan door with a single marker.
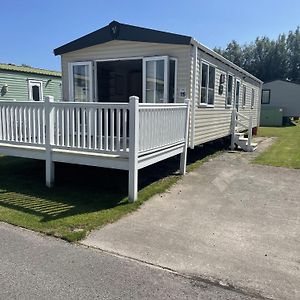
(156, 79)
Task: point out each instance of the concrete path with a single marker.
(33, 266)
(229, 221)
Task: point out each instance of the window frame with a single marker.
(71, 79)
(262, 92)
(252, 98)
(165, 58)
(206, 104)
(175, 78)
(237, 80)
(32, 82)
(233, 90)
(244, 98)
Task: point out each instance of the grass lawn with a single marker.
(285, 152)
(83, 197)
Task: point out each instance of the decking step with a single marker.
(246, 141)
(242, 142)
(243, 139)
(252, 144)
(238, 129)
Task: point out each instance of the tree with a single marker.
(268, 59)
(293, 55)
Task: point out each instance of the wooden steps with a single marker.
(242, 142)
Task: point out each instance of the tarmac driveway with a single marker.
(229, 221)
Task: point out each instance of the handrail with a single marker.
(235, 121)
(243, 116)
(241, 124)
(249, 133)
(22, 103)
(162, 105)
(105, 105)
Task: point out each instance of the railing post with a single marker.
(49, 139)
(183, 155)
(249, 134)
(233, 124)
(133, 148)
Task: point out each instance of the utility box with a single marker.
(271, 116)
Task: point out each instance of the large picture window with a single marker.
(265, 96)
(81, 81)
(208, 74)
(229, 90)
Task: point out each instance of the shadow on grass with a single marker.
(79, 189)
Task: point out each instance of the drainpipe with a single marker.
(195, 62)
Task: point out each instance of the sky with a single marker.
(31, 29)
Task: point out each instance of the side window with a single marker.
(35, 90)
(229, 90)
(237, 93)
(208, 74)
(252, 98)
(244, 95)
(211, 86)
(265, 96)
(204, 81)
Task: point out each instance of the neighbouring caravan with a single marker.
(23, 82)
(119, 60)
(280, 101)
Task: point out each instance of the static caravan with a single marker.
(280, 100)
(23, 82)
(121, 60)
(134, 96)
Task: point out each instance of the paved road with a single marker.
(229, 220)
(33, 266)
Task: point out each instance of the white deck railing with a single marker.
(140, 133)
(96, 127)
(161, 125)
(22, 122)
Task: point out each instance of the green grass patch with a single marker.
(84, 198)
(285, 152)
